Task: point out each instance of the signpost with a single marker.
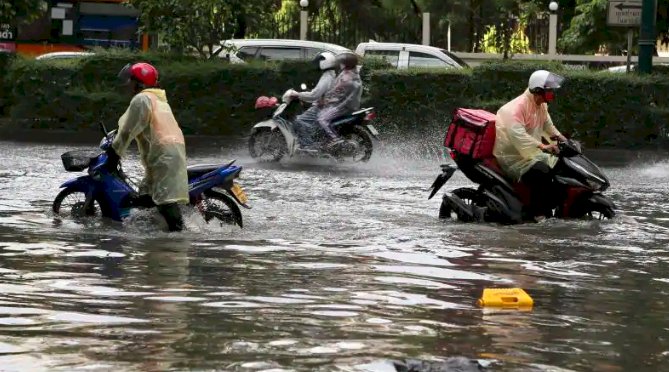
(7, 37)
(625, 13)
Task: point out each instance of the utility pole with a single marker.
(647, 36)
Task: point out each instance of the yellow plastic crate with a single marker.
(505, 298)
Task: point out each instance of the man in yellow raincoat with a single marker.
(520, 126)
(150, 122)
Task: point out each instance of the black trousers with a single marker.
(170, 212)
(172, 215)
(540, 180)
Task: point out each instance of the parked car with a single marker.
(633, 67)
(64, 55)
(404, 56)
(276, 49)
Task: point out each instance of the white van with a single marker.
(277, 49)
(403, 56)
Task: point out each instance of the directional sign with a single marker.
(624, 13)
(7, 32)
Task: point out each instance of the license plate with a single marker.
(239, 193)
(372, 130)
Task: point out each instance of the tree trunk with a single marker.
(240, 30)
(415, 7)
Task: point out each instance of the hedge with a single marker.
(600, 109)
(6, 60)
(215, 97)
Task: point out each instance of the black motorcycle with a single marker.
(577, 192)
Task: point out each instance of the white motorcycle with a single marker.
(275, 137)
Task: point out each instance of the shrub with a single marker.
(6, 60)
(215, 97)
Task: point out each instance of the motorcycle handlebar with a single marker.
(566, 148)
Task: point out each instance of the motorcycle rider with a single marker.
(520, 126)
(149, 121)
(304, 123)
(343, 98)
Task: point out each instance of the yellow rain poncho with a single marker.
(149, 121)
(520, 124)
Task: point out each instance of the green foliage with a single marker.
(518, 42)
(37, 88)
(504, 79)
(588, 31)
(102, 68)
(201, 24)
(26, 10)
(211, 97)
(599, 109)
(418, 102)
(6, 60)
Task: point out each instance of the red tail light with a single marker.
(370, 116)
(452, 153)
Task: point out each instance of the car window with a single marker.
(247, 53)
(457, 59)
(277, 54)
(417, 59)
(392, 56)
(312, 52)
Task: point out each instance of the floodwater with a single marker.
(338, 267)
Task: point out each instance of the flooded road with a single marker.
(338, 267)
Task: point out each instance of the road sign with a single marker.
(624, 13)
(7, 32)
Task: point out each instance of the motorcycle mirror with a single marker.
(303, 86)
(103, 128)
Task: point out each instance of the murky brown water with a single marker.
(338, 268)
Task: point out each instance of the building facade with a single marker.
(76, 25)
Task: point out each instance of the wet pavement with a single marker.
(338, 267)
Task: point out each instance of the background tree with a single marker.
(587, 31)
(202, 24)
(11, 11)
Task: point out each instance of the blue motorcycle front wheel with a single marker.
(71, 203)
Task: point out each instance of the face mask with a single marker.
(549, 96)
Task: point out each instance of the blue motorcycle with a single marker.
(108, 192)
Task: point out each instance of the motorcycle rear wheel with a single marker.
(70, 203)
(266, 145)
(364, 141)
(445, 209)
(471, 198)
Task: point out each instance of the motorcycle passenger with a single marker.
(343, 98)
(304, 123)
(520, 126)
(149, 121)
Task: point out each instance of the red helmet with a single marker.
(141, 72)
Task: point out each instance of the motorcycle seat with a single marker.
(522, 190)
(492, 164)
(199, 170)
(351, 117)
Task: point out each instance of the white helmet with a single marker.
(325, 61)
(542, 80)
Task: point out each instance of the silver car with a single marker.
(404, 56)
(244, 50)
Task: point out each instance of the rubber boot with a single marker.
(172, 215)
